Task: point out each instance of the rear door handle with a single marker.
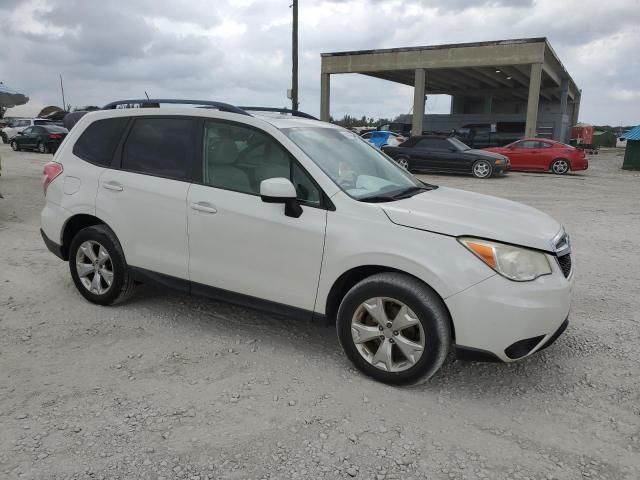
(204, 207)
(116, 187)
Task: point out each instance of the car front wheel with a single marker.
(14, 146)
(98, 266)
(394, 328)
(482, 169)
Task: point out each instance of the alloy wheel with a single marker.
(404, 163)
(42, 147)
(14, 146)
(388, 334)
(560, 167)
(94, 267)
(481, 169)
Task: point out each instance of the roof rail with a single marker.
(294, 113)
(155, 102)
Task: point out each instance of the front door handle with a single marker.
(204, 207)
(116, 187)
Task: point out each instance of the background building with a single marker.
(506, 81)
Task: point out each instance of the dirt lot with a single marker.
(170, 386)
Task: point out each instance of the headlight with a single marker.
(515, 263)
(499, 161)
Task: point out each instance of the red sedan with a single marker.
(538, 154)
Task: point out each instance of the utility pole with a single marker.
(64, 105)
(294, 45)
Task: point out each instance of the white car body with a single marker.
(168, 227)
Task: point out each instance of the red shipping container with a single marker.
(582, 133)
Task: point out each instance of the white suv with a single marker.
(300, 217)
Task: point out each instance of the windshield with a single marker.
(459, 144)
(358, 168)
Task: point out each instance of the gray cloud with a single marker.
(239, 51)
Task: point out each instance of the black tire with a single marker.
(482, 169)
(14, 146)
(42, 148)
(122, 285)
(560, 166)
(428, 308)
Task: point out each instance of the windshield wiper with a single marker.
(410, 192)
(406, 193)
(378, 199)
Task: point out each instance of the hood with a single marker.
(457, 212)
(485, 153)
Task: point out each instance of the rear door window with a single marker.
(163, 147)
(98, 142)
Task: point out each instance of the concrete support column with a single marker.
(534, 98)
(418, 101)
(562, 135)
(576, 108)
(325, 94)
(488, 104)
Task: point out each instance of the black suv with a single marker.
(483, 135)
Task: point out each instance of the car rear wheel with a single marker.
(403, 162)
(482, 169)
(560, 166)
(42, 148)
(14, 146)
(98, 266)
(394, 328)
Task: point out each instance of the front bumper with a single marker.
(501, 320)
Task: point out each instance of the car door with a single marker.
(144, 198)
(241, 245)
(426, 155)
(520, 155)
(27, 138)
(544, 154)
(451, 159)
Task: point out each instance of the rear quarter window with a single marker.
(162, 147)
(99, 141)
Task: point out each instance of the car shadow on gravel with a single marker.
(226, 319)
(319, 340)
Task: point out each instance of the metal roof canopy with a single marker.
(500, 68)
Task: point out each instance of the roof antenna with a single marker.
(147, 95)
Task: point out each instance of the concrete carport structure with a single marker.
(505, 79)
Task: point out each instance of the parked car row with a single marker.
(43, 138)
(18, 125)
(437, 153)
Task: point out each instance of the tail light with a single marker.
(52, 170)
(55, 136)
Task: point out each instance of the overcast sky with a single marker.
(239, 50)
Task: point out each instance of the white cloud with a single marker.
(239, 50)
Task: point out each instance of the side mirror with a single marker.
(281, 190)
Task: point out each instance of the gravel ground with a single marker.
(168, 386)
